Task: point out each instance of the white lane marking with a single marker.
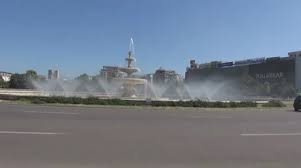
(31, 133)
(49, 112)
(273, 134)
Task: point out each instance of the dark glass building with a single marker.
(260, 76)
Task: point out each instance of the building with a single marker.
(56, 74)
(50, 74)
(110, 72)
(275, 73)
(5, 76)
(53, 74)
(294, 54)
(163, 76)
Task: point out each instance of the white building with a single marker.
(5, 76)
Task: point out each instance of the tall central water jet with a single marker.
(130, 69)
(114, 82)
(124, 77)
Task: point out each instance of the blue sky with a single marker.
(82, 35)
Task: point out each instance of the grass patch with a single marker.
(97, 101)
(274, 103)
(37, 101)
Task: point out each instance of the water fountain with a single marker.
(114, 82)
(128, 84)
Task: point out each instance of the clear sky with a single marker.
(82, 35)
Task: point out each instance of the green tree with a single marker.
(31, 74)
(3, 84)
(83, 77)
(23, 81)
(18, 81)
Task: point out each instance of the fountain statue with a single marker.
(128, 83)
(114, 82)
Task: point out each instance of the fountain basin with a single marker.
(130, 81)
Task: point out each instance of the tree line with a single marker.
(25, 80)
(20, 81)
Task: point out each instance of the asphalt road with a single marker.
(73, 137)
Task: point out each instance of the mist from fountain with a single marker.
(129, 86)
(208, 90)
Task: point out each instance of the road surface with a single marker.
(73, 137)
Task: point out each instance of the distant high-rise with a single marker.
(53, 74)
(50, 74)
(56, 74)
